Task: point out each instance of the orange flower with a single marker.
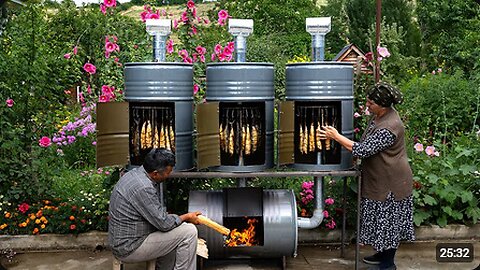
(46, 202)
(39, 213)
(22, 225)
(32, 216)
(8, 215)
(35, 231)
(72, 218)
(44, 220)
(37, 221)
(42, 226)
(3, 226)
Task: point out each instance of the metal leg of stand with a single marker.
(344, 217)
(357, 243)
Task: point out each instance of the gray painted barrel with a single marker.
(245, 82)
(279, 225)
(154, 82)
(324, 81)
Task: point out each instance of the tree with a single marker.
(450, 34)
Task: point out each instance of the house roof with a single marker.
(345, 51)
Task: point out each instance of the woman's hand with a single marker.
(328, 132)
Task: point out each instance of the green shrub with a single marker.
(441, 106)
(447, 182)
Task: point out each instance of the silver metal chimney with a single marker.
(240, 29)
(159, 29)
(318, 28)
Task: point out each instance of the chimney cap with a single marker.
(161, 27)
(319, 25)
(240, 27)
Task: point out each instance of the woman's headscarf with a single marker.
(384, 94)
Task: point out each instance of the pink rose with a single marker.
(418, 147)
(223, 14)
(23, 207)
(9, 102)
(196, 88)
(110, 3)
(329, 201)
(110, 47)
(325, 214)
(430, 150)
(170, 46)
(75, 50)
(383, 52)
(90, 68)
(190, 4)
(183, 54)
(103, 9)
(44, 141)
(67, 56)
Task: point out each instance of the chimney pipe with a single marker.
(159, 29)
(240, 30)
(318, 28)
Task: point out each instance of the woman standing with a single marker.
(387, 203)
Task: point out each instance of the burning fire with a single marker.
(244, 238)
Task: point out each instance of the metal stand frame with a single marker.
(280, 174)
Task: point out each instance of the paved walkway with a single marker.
(416, 256)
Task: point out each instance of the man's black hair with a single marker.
(158, 160)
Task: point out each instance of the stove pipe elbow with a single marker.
(317, 217)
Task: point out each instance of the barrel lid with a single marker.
(134, 64)
(321, 63)
(240, 64)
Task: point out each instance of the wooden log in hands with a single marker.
(214, 225)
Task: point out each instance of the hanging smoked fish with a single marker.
(156, 139)
(145, 138)
(231, 139)
(311, 138)
(317, 136)
(244, 139)
(305, 137)
(301, 139)
(222, 137)
(254, 138)
(172, 138)
(248, 141)
(171, 132)
(167, 139)
(162, 136)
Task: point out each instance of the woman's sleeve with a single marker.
(374, 143)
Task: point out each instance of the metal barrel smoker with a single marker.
(235, 126)
(236, 134)
(318, 93)
(158, 111)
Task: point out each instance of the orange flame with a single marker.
(244, 238)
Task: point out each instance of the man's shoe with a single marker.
(375, 259)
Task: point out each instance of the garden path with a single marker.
(411, 256)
